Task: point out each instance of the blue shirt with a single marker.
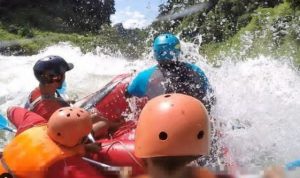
(150, 82)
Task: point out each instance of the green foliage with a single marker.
(22, 31)
(90, 15)
(57, 15)
(241, 28)
(130, 44)
(29, 26)
(218, 22)
(6, 35)
(294, 3)
(271, 31)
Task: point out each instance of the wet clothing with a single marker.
(23, 119)
(68, 166)
(179, 77)
(44, 105)
(194, 173)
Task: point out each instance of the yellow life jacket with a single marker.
(32, 152)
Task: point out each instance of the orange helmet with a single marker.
(172, 125)
(69, 125)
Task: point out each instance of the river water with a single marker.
(258, 100)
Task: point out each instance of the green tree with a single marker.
(58, 15)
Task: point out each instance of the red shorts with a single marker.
(23, 119)
(46, 108)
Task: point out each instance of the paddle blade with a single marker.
(292, 165)
(3, 121)
(4, 124)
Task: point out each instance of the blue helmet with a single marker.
(166, 47)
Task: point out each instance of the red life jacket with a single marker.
(44, 105)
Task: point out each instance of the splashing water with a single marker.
(91, 71)
(258, 100)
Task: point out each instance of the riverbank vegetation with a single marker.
(236, 28)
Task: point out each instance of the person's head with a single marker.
(51, 69)
(166, 48)
(174, 128)
(69, 126)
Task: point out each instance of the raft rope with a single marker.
(101, 164)
(127, 150)
(66, 171)
(127, 127)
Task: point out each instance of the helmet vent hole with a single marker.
(68, 115)
(6, 175)
(167, 96)
(78, 115)
(58, 134)
(163, 136)
(200, 134)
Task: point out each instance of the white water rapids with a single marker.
(259, 95)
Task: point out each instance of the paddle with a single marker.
(292, 165)
(4, 124)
